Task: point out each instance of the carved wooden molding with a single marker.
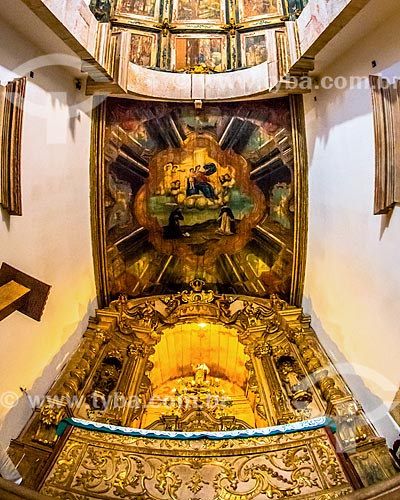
(97, 211)
(174, 469)
(386, 112)
(11, 112)
(300, 169)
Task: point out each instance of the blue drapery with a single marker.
(304, 425)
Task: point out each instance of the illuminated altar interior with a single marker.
(198, 239)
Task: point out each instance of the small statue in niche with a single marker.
(350, 426)
(105, 381)
(296, 388)
(200, 374)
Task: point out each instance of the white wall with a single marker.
(51, 241)
(352, 287)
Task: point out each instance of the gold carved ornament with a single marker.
(165, 27)
(306, 467)
(189, 304)
(232, 27)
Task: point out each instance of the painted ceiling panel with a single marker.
(199, 194)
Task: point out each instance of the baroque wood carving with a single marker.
(287, 377)
(93, 464)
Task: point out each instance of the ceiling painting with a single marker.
(204, 10)
(198, 194)
(259, 8)
(140, 8)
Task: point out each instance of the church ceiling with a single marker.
(198, 194)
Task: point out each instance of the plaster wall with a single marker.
(51, 241)
(352, 286)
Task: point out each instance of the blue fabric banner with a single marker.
(305, 425)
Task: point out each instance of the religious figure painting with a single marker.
(199, 186)
(191, 50)
(192, 10)
(141, 52)
(258, 8)
(254, 49)
(141, 8)
(198, 193)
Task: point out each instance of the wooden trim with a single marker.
(12, 103)
(386, 114)
(347, 465)
(300, 182)
(97, 210)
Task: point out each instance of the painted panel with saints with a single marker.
(191, 50)
(192, 10)
(254, 49)
(142, 49)
(259, 8)
(199, 193)
(141, 8)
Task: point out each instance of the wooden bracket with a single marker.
(19, 291)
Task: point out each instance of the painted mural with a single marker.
(178, 35)
(143, 8)
(258, 8)
(255, 49)
(316, 18)
(188, 10)
(199, 194)
(141, 48)
(190, 50)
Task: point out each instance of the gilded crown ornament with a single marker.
(197, 284)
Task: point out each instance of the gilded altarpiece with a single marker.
(281, 369)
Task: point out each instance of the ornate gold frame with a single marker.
(300, 181)
(98, 224)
